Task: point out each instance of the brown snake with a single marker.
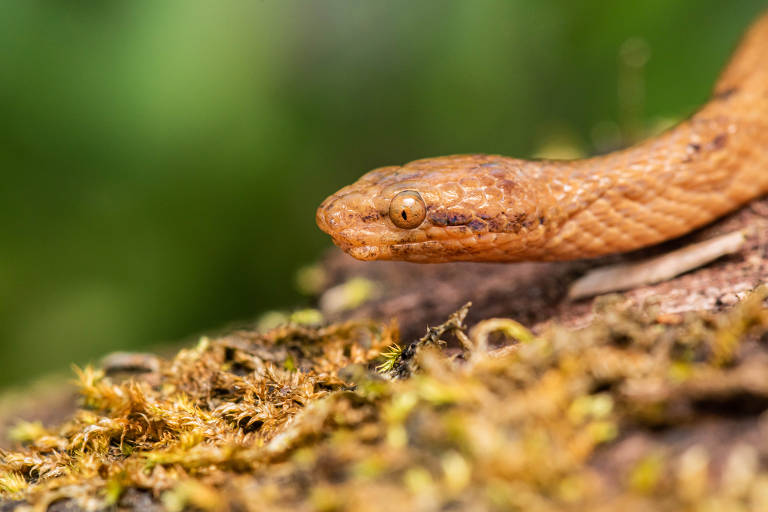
(495, 208)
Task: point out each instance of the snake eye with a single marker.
(407, 209)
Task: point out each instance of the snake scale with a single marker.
(494, 208)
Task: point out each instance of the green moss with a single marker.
(298, 418)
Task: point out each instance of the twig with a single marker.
(626, 276)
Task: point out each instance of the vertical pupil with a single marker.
(402, 213)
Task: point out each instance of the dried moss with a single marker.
(298, 418)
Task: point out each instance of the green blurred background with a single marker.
(161, 161)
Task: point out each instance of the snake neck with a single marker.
(682, 179)
(494, 208)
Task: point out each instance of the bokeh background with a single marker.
(161, 161)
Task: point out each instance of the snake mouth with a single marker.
(348, 240)
(366, 252)
(320, 219)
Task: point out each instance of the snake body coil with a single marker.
(495, 208)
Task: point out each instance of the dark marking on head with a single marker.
(542, 220)
(497, 224)
(692, 149)
(371, 217)
(508, 186)
(405, 175)
(718, 142)
(438, 218)
(498, 171)
(725, 94)
(477, 225)
(517, 222)
(458, 219)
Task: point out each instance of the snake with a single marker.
(492, 208)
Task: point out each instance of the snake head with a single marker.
(379, 215)
(465, 207)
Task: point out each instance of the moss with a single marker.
(298, 418)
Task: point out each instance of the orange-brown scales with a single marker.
(495, 208)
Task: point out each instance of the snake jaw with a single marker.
(365, 252)
(328, 220)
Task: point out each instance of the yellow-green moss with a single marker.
(298, 418)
